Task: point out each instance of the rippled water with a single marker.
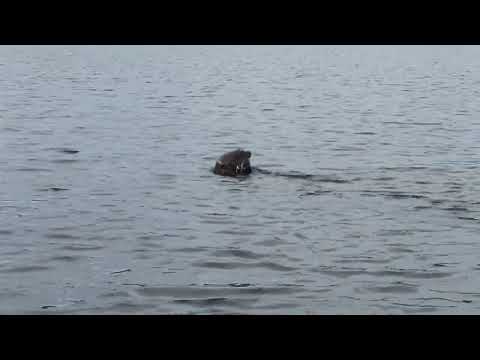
(365, 198)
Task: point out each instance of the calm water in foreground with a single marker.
(108, 203)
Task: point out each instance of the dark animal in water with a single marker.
(234, 163)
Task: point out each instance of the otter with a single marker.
(233, 163)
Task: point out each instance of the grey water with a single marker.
(364, 198)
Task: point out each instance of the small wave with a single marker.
(400, 195)
(300, 175)
(443, 299)
(64, 150)
(240, 265)
(409, 274)
(61, 236)
(467, 218)
(419, 307)
(205, 302)
(63, 161)
(245, 254)
(65, 258)
(80, 247)
(402, 168)
(392, 194)
(395, 288)
(213, 291)
(456, 208)
(34, 170)
(316, 193)
(412, 274)
(53, 189)
(384, 178)
(24, 269)
(191, 249)
(348, 148)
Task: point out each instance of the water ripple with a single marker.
(362, 197)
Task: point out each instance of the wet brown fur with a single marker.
(234, 163)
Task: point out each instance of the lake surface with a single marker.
(108, 203)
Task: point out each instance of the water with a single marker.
(364, 201)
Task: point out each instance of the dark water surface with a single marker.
(366, 200)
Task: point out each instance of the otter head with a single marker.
(234, 163)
